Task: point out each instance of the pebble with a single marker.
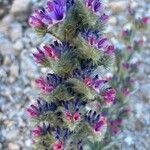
(118, 6)
(6, 46)
(14, 70)
(13, 146)
(20, 6)
(145, 89)
(129, 140)
(16, 31)
(7, 60)
(28, 143)
(18, 45)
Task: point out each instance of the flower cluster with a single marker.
(49, 84)
(40, 108)
(45, 53)
(41, 130)
(96, 40)
(109, 96)
(142, 22)
(97, 7)
(126, 34)
(115, 125)
(52, 52)
(96, 84)
(60, 135)
(97, 121)
(63, 113)
(48, 16)
(72, 110)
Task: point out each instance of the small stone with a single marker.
(113, 20)
(10, 134)
(16, 31)
(6, 46)
(118, 6)
(14, 71)
(145, 89)
(13, 146)
(7, 60)
(28, 143)
(20, 6)
(5, 23)
(18, 46)
(129, 140)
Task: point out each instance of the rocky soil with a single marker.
(18, 71)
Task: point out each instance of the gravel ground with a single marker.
(18, 71)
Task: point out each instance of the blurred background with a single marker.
(18, 71)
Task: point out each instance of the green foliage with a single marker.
(66, 65)
(80, 89)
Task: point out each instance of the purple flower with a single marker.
(44, 86)
(41, 107)
(51, 52)
(50, 15)
(109, 96)
(33, 111)
(89, 3)
(92, 117)
(110, 50)
(96, 121)
(59, 12)
(40, 56)
(56, 10)
(95, 5)
(145, 20)
(58, 145)
(125, 91)
(75, 117)
(98, 126)
(126, 65)
(94, 83)
(98, 8)
(104, 45)
(104, 18)
(48, 84)
(35, 22)
(41, 130)
(115, 125)
(102, 42)
(45, 53)
(37, 132)
(72, 109)
(99, 42)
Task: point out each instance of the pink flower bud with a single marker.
(125, 91)
(76, 117)
(145, 20)
(50, 52)
(100, 124)
(58, 146)
(88, 81)
(44, 86)
(32, 113)
(35, 22)
(109, 96)
(68, 116)
(37, 132)
(110, 50)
